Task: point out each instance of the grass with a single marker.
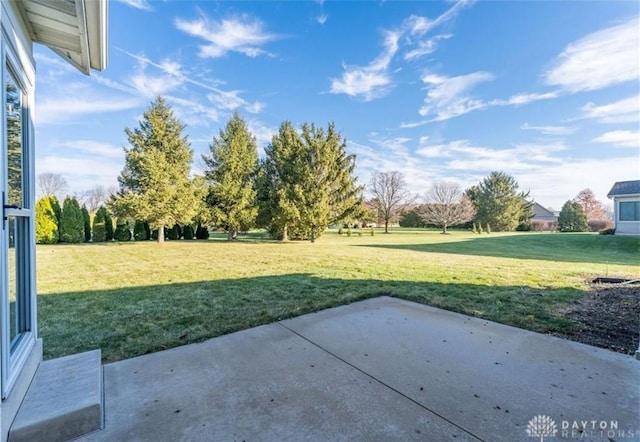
(134, 298)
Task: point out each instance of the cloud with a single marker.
(242, 34)
(447, 97)
(93, 148)
(526, 98)
(374, 80)
(600, 59)
(63, 109)
(322, 18)
(550, 130)
(621, 138)
(82, 173)
(138, 4)
(622, 111)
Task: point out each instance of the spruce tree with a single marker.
(306, 182)
(155, 184)
(572, 218)
(46, 222)
(498, 202)
(71, 222)
(108, 224)
(231, 168)
(122, 232)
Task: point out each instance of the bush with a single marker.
(597, 225)
(202, 232)
(539, 226)
(141, 231)
(372, 231)
(488, 228)
(175, 232)
(87, 224)
(188, 232)
(340, 231)
(609, 231)
(122, 232)
(108, 225)
(99, 229)
(46, 222)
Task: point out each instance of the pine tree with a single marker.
(572, 218)
(87, 224)
(306, 182)
(231, 167)
(71, 222)
(108, 225)
(155, 184)
(498, 202)
(46, 222)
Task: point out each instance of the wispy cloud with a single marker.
(620, 138)
(374, 80)
(622, 111)
(550, 130)
(243, 34)
(448, 97)
(138, 4)
(92, 148)
(322, 18)
(49, 109)
(598, 60)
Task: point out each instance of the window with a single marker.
(629, 211)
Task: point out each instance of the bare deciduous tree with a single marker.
(94, 198)
(51, 184)
(592, 208)
(390, 192)
(447, 206)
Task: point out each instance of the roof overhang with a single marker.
(74, 29)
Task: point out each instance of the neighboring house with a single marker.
(626, 207)
(76, 30)
(543, 218)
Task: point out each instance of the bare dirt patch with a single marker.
(609, 317)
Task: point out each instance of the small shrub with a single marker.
(474, 229)
(349, 231)
(175, 232)
(340, 231)
(122, 232)
(141, 231)
(359, 232)
(372, 231)
(609, 231)
(202, 232)
(488, 228)
(597, 225)
(46, 222)
(188, 232)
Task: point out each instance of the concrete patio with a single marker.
(377, 370)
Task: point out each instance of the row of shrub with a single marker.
(74, 224)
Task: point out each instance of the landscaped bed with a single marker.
(138, 297)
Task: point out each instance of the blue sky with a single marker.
(547, 91)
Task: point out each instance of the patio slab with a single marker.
(377, 370)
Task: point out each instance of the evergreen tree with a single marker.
(155, 184)
(498, 202)
(141, 231)
(572, 218)
(87, 224)
(46, 222)
(175, 232)
(188, 232)
(202, 232)
(122, 232)
(231, 168)
(57, 210)
(108, 224)
(72, 222)
(306, 182)
(99, 229)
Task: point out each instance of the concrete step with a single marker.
(64, 400)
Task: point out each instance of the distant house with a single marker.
(543, 218)
(626, 207)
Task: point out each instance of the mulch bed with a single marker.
(609, 318)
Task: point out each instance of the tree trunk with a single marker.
(313, 233)
(161, 235)
(444, 229)
(386, 226)
(230, 234)
(285, 235)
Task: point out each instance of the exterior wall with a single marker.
(17, 48)
(625, 227)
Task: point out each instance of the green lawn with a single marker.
(134, 298)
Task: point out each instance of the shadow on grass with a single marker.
(133, 321)
(563, 247)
